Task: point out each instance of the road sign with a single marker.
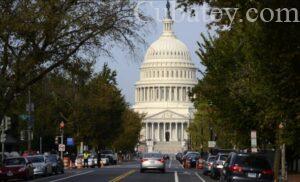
(211, 144)
(61, 147)
(70, 141)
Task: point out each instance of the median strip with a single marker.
(119, 178)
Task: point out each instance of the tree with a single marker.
(38, 36)
(252, 74)
(130, 133)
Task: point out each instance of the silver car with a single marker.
(41, 165)
(152, 161)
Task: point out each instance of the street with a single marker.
(128, 172)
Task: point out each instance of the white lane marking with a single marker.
(170, 163)
(176, 176)
(199, 177)
(61, 179)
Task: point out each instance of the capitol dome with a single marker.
(162, 94)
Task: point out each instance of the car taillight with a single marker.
(161, 160)
(143, 160)
(267, 171)
(236, 169)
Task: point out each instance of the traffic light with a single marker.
(56, 140)
(7, 123)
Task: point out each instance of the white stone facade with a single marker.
(167, 75)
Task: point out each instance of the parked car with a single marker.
(152, 161)
(166, 157)
(16, 168)
(247, 167)
(186, 156)
(191, 160)
(178, 156)
(208, 164)
(218, 165)
(56, 163)
(112, 154)
(104, 160)
(42, 165)
(92, 161)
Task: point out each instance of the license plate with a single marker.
(252, 175)
(151, 162)
(9, 173)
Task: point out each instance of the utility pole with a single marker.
(61, 126)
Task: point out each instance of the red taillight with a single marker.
(236, 169)
(267, 171)
(161, 160)
(143, 160)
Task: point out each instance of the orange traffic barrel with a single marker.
(66, 162)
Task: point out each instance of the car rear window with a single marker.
(223, 157)
(253, 162)
(152, 155)
(36, 159)
(14, 161)
(211, 159)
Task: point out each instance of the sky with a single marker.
(186, 28)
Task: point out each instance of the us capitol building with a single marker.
(167, 75)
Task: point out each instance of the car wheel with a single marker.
(142, 170)
(163, 170)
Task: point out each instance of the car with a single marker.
(56, 163)
(152, 161)
(112, 154)
(247, 167)
(208, 164)
(191, 160)
(42, 165)
(92, 161)
(166, 157)
(178, 156)
(186, 156)
(218, 165)
(16, 168)
(104, 160)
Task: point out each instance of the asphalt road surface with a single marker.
(129, 172)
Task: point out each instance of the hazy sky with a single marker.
(187, 29)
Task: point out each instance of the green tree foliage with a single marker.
(252, 75)
(38, 36)
(130, 133)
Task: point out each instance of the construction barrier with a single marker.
(66, 162)
(79, 164)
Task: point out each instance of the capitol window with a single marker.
(167, 73)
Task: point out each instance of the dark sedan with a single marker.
(247, 167)
(57, 163)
